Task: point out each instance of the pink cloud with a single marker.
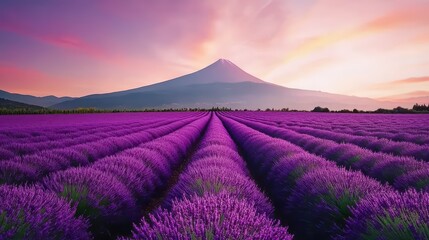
(421, 97)
(411, 80)
(416, 16)
(33, 81)
(392, 20)
(69, 42)
(400, 84)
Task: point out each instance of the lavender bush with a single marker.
(210, 217)
(32, 213)
(390, 215)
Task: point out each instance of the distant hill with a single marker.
(12, 105)
(32, 100)
(221, 84)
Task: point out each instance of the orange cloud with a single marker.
(410, 97)
(397, 19)
(422, 39)
(387, 22)
(411, 80)
(397, 84)
(24, 80)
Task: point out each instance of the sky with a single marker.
(368, 48)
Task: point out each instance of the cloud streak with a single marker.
(402, 88)
(385, 23)
(411, 80)
(22, 80)
(63, 41)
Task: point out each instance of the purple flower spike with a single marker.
(390, 215)
(321, 201)
(98, 195)
(228, 218)
(32, 213)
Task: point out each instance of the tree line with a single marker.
(417, 108)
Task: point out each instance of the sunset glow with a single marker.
(368, 48)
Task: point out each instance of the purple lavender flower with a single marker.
(418, 179)
(217, 151)
(388, 169)
(6, 154)
(98, 195)
(32, 213)
(238, 165)
(390, 215)
(165, 149)
(320, 202)
(288, 170)
(159, 163)
(134, 174)
(17, 172)
(210, 217)
(215, 180)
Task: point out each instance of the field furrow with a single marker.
(31, 168)
(374, 144)
(396, 171)
(214, 196)
(300, 190)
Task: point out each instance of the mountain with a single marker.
(220, 84)
(12, 105)
(220, 71)
(32, 100)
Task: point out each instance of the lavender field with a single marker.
(214, 175)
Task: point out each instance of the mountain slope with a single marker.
(32, 100)
(220, 71)
(220, 84)
(13, 105)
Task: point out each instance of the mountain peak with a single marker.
(223, 61)
(223, 70)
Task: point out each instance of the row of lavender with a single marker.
(33, 141)
(32, 167)
(400, 128)
(398, 134)
(29, 145)
(399, 171)
(102, 197)
(59, 121)
(398, 148)
(387, 123)
(214, 198)
(19, 142)
(36, 128)
(112, 191)
(319, 200)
